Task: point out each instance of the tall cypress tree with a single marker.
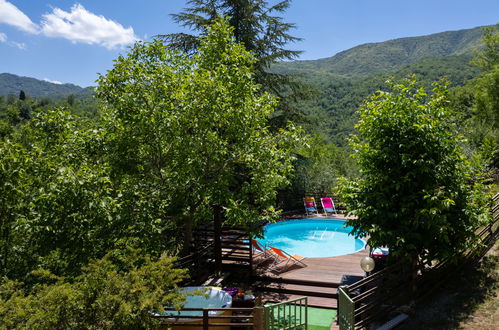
(262, 33)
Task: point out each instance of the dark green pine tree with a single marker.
(262, 33)
(22, 95)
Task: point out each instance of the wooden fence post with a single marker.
(258, 318)
(205, 319)
(217, 232)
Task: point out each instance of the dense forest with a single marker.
(343, 81)
(100, 193)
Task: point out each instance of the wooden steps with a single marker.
(300, 290)
(319, 294)
(318, 281)
(311, 301)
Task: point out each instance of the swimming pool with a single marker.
(312, 238)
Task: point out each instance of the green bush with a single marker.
(118, 291)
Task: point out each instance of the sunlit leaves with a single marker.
(192, 131)
(413, 195)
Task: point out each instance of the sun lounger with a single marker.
(310, 207)
(328, 205)
(260, 250)
(280, 256)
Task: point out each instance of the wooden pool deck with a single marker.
(332, 271)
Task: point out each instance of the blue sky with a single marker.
(71, 42)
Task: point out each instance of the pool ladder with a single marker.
(322, 235)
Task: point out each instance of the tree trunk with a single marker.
(217, 226)
(188, 227)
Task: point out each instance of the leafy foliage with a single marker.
(486, 95)
(191, 132)
(178, 136)
(15, 112)
(115, 292)
(58, 207)
(261, 33)
(488, 57)
(414, 193)
(319, 166)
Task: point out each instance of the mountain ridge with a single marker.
(390, 55)
(13, 84)
(359, 61)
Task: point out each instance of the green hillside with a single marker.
(333, 107)
(390, 55)
(343, 81)
(13, 84)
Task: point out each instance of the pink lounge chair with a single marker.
(280, 256)
(310, 207)
(328, 205)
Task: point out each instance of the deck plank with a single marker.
(331, 269)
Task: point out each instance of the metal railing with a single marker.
(346, 318)
(382, 292)
(291, 314)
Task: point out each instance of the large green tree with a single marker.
(189, 133)
(58, 208)
(414, 193)
(179, 136)
(263, 33)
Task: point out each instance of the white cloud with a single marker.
(53, 81)
(20, 45)
(11, 15)
(80, 25)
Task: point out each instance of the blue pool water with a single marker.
(312, 238)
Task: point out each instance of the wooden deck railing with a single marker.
(235, 246)
(287, 315)
(379, 294)
(251, 318)
(211, 251)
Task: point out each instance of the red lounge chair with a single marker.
(310, 207)
(260, 250)
(281, 256)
